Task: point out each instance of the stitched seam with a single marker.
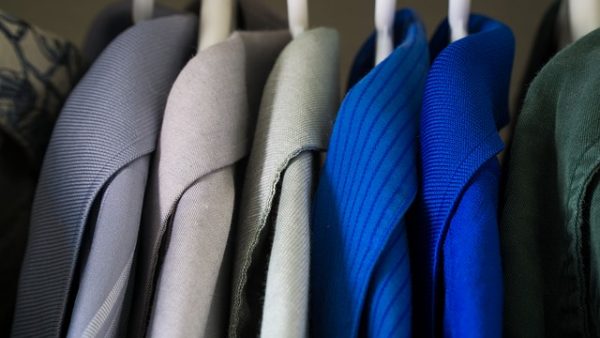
(453, 207)
(579, 191)
(164, 225)
(98, 320)
(91, 189)
(262, 224)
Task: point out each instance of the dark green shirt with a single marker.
(550, 226)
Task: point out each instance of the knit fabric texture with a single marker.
(360, 278)
(184, 261)
(37, 71)
(454, 238)
(110, 120)
(293, 124)
(550, 223)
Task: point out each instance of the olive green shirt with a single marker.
(550, 225)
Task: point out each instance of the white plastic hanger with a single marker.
(142, 10)
(584, 17)
(385, 11)
(297, 16)
(458, 18)
(216, 22)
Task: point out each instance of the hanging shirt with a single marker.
(551, 219)
(88, 203)
(360, 277)
(37, 71)
(455, 247)
(206, 132)
(273, 227)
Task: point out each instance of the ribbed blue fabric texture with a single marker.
(454, 240)
(111, 118)
(360, 277)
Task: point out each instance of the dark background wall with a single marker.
(352, 18)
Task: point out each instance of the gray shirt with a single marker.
(87, 207)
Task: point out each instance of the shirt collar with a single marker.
(485, 57)
(464, 105)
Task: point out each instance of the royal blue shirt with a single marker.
(360, 273)
(454, 238)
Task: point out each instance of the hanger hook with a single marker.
(297, 16)
(584, 17)
(458, 18)
(142, 10)
(384, 25)
(216, 22)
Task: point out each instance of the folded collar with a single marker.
(464, 105)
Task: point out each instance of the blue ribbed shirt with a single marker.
(360, 272)
(455, 249)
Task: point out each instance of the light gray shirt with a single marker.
(296, 114)
(206, 131)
